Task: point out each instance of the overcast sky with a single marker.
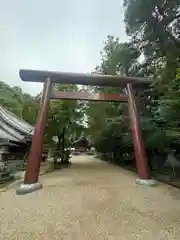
(62, 35)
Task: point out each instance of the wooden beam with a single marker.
(82, 79)
(113, 97)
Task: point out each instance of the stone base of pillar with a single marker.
(146, 182)
(28, 188)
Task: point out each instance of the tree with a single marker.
(111, 132)
(117, 58)
(21, 104)
(170, 108)
(30, 108)
(65, 118)
(154, 26)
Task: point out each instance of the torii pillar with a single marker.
(144, 176)
(31, 182)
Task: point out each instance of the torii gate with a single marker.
(31, 182)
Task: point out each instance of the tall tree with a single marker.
(65, 117)
(155, 27)
(111, 131)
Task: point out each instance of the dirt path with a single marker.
(91, 200)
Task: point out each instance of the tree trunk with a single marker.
(63, 146)
(57, 149)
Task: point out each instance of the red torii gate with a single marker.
(48, 78)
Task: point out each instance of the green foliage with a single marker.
(154, 27)
(117, 57)
(8, 100)
(65, 117)
(108, 124)
(170, 109)
(111, 132)
(154, 31)
(21, 104)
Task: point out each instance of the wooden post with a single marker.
(35, 154)
(140, 153)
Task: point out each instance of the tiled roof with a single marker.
(12, 128)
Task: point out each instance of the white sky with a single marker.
(61, 35)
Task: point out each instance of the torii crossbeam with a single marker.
(31, 182)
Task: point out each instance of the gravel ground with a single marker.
(91, 200)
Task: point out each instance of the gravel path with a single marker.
(91, 200)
